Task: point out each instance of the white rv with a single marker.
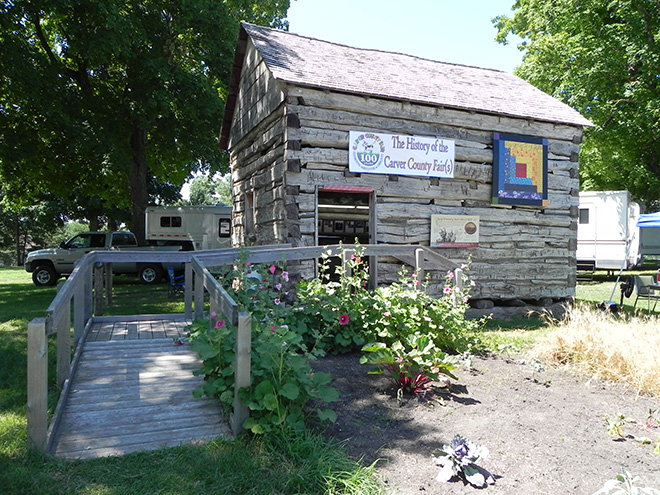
(193, 227)
(607, 236)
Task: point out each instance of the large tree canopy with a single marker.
(115, 98)
(603, 58)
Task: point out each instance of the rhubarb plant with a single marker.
(412, 364)
(459, 459)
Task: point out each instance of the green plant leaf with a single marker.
(327, 415)
(290, 391)
(270, 402)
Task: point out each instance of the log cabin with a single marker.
(330, 143)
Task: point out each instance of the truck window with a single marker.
(123, 239)
(224, 228)
(584, 215)
(170, 222)
(87, 241)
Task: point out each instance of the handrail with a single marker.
(77, 290)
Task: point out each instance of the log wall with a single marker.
(298, 141)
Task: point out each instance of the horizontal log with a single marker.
(432, 114)
(347, 120)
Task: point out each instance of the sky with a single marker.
(454, 31)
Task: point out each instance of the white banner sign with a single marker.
(396, 154)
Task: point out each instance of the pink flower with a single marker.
(277, 301)
(272, 269)
(450, 275)
(220, 324)
(285, 276)
(387, 314)
(446, 290)
(278, 286)
(357, 259)
(343, 320)
(213, 314)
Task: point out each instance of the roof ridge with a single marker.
(375, 50)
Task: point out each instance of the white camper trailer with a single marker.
(193, 227)
(607, 236)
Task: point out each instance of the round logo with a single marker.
(368, 151)
(470, 228)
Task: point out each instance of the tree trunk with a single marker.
(17, 234)
(138, 184)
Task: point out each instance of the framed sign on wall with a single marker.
(520, 170)
(454, 231)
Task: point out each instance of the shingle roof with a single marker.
(311, 62)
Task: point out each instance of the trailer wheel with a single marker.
(44, 276)
(627, 287)
(150, 274)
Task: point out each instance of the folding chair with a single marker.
(176, 283)
(646, 288)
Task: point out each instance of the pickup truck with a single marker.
(48, 265)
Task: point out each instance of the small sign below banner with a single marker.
(454, 231)
(397, 154)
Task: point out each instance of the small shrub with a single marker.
(459, 459)
(332, 312)
(282, 381)
(626, 484)
(412, 365)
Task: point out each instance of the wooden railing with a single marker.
(89, 288)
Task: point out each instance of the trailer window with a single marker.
(173, 222)
(584, 215)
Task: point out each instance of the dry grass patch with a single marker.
(611, 347)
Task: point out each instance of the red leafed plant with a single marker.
(411, 365)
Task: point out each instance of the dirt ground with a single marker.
(545, 430)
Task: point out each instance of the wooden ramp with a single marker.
(132, 391)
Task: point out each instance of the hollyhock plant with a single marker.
(220, 324)
(272, 269)
(344, 319)
(458, 459)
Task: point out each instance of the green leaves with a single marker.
(82, 81)
(411, 365)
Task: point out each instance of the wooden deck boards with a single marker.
(133, 392)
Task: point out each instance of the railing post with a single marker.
(37, 386)
(242, 370)
(199, 295)
(419, 267)
(64, 346)
(345, 258)
(458, 281)
(81, 303)
(188, 290)
(108, 283)
(86, 302)
(98, 289)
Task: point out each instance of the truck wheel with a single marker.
(150, 274)
(44, 275)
